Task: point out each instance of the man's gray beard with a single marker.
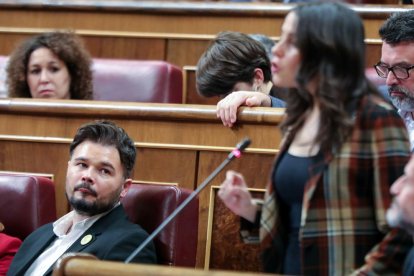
(399, 221)
(405, 104)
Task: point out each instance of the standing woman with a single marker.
(52, 65)
(343, 146)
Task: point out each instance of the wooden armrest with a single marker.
(78, 264)
(64, 262)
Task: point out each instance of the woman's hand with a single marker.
(235, 195)
(227, 108)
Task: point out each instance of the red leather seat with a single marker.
(26, 203)
(137, 81)
(128, 80)
(149, 205)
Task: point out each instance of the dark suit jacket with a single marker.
(114, 238)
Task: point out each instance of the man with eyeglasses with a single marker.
(397, 64)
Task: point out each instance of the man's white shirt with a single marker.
(408, 117)
(63, 242)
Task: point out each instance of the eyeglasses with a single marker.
(399, 72)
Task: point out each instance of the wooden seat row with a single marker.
(164, 16)
(181, 50)
(153, 81)
(176, 32)
(175, 143)
(147, 81)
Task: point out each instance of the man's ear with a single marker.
(125, 187)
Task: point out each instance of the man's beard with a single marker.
(83, 207)
(396, 218)
(404, 103)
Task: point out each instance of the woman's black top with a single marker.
(289, 180)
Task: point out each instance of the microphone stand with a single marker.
(236, 153)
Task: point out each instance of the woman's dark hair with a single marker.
(330, 39)
(230, 58)
(68, 47)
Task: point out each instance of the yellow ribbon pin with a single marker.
(87, 239)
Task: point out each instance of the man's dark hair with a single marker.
(399, 27)
(108, 134)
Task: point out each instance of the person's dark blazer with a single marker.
(114, 238)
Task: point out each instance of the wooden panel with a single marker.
(100, 46)
(190, 94)
(45, 158)
(372, 26)
(167, 17)
(373, 52)
(28, 125)
(148, 123)
(126, 47)
(256, 171)
(185, 52)
(116, 20)
(167, 165)
(9, 41)
(223, 236)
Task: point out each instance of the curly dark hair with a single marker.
(330, 39)
(68, 47)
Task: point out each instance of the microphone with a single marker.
(240, 147)
(236, 153)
